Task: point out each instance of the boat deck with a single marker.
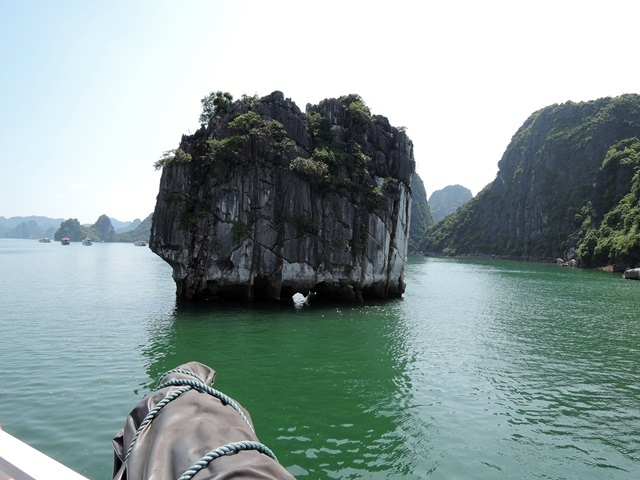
(19, 461)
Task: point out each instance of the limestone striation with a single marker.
(265, 201)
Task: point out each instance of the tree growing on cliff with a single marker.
(315, 170)
(356, 107)
(266, 135)
(176, 155)
(215, 103)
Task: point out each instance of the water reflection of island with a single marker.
(326, 386)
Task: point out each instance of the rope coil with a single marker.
(225, 399)
(199, 384)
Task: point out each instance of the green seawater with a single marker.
(484, 369)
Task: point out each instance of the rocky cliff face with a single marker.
(266, 201)
(547, 173)
(104, 229)
(421, 217)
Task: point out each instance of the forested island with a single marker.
(265, 200)
(568, 187)
(102, 230)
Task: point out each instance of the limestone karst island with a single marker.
(567, 191)
(265, 200)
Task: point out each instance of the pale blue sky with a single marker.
(92, 92)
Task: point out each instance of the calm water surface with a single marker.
(485, 369)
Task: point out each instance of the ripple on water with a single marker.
(483, 370)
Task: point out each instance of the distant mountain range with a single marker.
(33, 227)
(448, 200)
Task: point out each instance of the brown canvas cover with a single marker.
(187, 428)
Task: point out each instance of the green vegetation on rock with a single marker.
(534, 207)
(610, 233)
(216, 103)
(141, 232)
(172, 156)
(315, 170)
(338, 159)
(267, 190)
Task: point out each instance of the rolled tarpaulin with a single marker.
(184, 421)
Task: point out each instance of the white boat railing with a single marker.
(19, 461)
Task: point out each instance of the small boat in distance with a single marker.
(140, 243)
(65, 241)
(45, 240)
(87, 241)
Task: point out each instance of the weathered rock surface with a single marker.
(421, 218)
(104, 229)
(251, 208)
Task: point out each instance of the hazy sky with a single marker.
(92, 92)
